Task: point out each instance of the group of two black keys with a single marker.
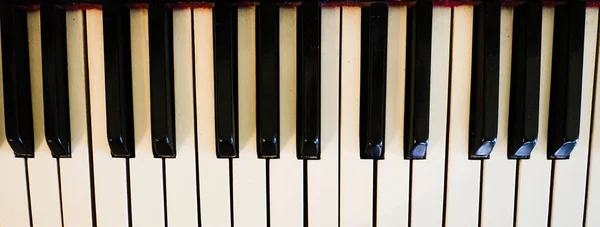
(524, 94)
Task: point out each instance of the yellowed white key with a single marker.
(110, 180)
(42, 169)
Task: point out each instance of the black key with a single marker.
(418, 75)
(17, 89)
(117, 59)
(267, 73)
(483, 124)
(225, 55)
(56, 84)
(162, 105)
(567, 69)
(373, 61)
(308, 56)
(525, 79)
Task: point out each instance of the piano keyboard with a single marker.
(313, 113)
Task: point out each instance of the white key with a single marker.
(249, 172)
(356, 175)
(109, 173)
(392, 172)
(428, 175)
(75, 171)
(180, 174)
(462, 185)
(286, 173)
(43, 170)
(145, 171)
(568, 189)
(14, 205)
(593, 185)
(498, 186)
(213, 172)
(323, 173)
(534, 173)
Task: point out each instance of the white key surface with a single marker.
(323, 174)
(181, 171)
(43, 170)
(392, 172)
(569, 183)
(462, 185)
(14, 204)
(498, 186)
(534, 173)
(249, 172)
(213, 172)
(428, 175)
(145, 171)
(110, 180)
(286, 173)
(356, 175)
(75, 171)
(593, 186)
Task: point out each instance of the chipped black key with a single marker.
(483, 123)
(418, 75)
(55, 80)
(267, 73)
(567, 69)
(117, 59)
(373, 61)
(18, 115)
(225, 55)
(308, 47)
(525, 79)
(162, 101)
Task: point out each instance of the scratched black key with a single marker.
(525, 79)
(18, 115)
(267, 67)
(308, 59)
(567, 69)
(117, 59)
(418, 75)
(162, 104)
(225, 55)
(55, 82)
(373, 61)
(483, 124)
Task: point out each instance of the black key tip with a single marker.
(564, 151)
(164, 148)
(310, 149)
(118, 148)
(418, 151)
(524, 150)
(59, 148)
(21, 148)
(373, 151)
(484, 150)
(268, 148)
(226, 148)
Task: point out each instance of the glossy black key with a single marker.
(18, 117)
(373, 61)
(225, 55)
(162, 104)
(308, 59)
(267, 73)
(567, 69)
(117, 59)
(56, 85)
(525, 79)
(483, 124)
(418, 75)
